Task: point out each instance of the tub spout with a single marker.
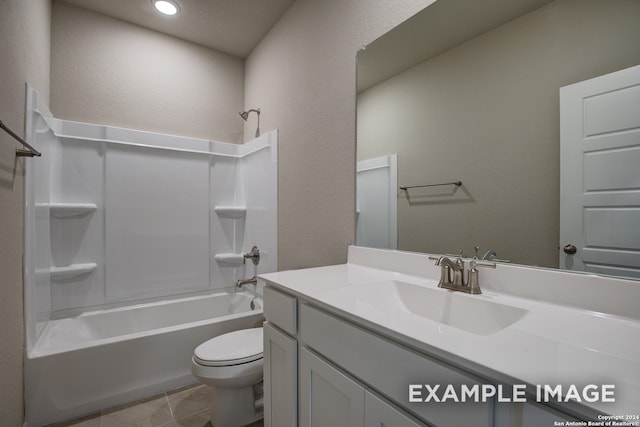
(242, 282)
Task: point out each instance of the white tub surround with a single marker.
(118, 215)
(118, 218)
(529, 326)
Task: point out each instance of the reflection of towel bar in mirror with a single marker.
(30, 152)
(456, 183)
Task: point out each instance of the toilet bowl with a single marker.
(232, 365)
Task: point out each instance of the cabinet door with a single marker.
(534, 415)
(280, 378)
(328, 398)
(378, 413)
(528, 415)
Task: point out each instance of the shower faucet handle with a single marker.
(254, 255)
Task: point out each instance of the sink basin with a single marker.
(470, 313)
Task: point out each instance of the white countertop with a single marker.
(551, 344)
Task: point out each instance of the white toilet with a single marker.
(232, 365)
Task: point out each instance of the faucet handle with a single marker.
(478, 263)
(472, 281)
(254, 255)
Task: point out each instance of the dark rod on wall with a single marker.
(31, 152)
(456, 183)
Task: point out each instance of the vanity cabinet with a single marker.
(388, 367)
(324, 370)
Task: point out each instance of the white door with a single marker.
(600, 174)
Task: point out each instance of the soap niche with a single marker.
(228, 256)
(70, 224)
(233, 228)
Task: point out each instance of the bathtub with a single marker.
(103, 358)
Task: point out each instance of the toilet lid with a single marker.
(233, 348)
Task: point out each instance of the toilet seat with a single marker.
(233, 348)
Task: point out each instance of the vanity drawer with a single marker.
(390, 368)
(281, 310)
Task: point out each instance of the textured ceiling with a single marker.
(231, 26)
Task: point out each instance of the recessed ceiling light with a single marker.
(166, 7)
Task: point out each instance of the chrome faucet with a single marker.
(253, 281)
(489, 255)
(452, 274)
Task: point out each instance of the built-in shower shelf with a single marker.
(64, 210)
(230, 258)
(230, 211)
(70, 271)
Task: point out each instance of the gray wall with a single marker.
(303, 76)
(487, 113)
(24, 49)
(107, 71)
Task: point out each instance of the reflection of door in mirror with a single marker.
(376, 203)
(600, 174)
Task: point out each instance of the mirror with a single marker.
(469, 91)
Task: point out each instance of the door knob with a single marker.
(570, 249)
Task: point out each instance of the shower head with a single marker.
(245, 114)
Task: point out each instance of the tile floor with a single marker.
(185, 407)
